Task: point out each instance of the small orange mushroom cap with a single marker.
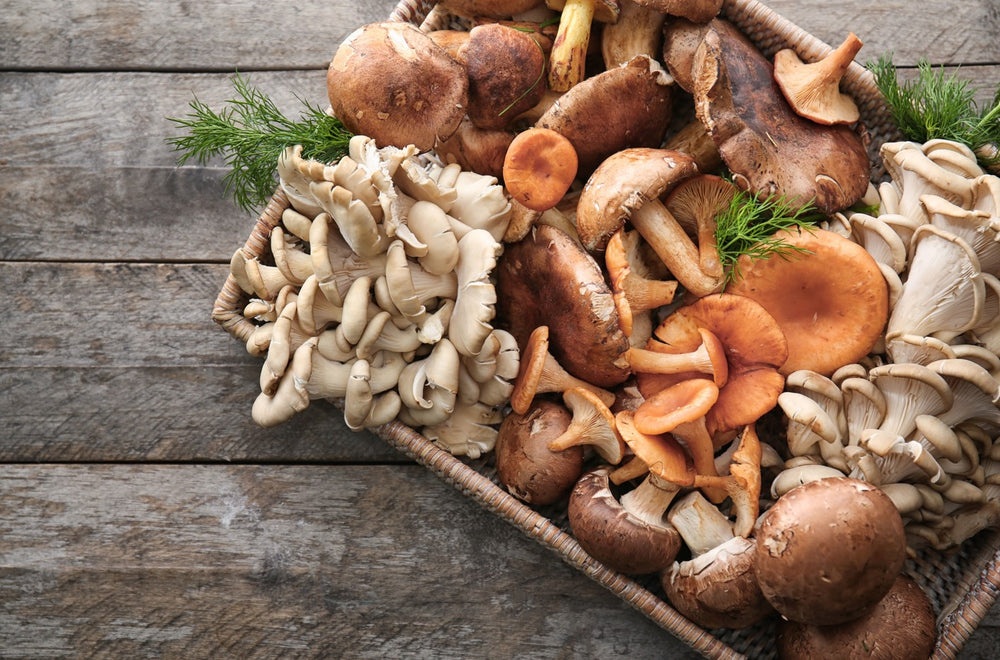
(539, 167)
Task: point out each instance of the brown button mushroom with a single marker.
(391, 82)
(606, 529)
(547, 278)
(715, 587)
(901, 626)
(539, 167)
(770, 149)
(477, 150)
(813, 90)
(829, 550)
(506, 74)
(628, 106)
(525, 465)
(830, 300)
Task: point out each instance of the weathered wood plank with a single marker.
(260, 35)
(943, 31)
(129, 202)
(162, 34)
(122, 362)
(251, 562)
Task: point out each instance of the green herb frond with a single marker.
(939, 105)
(250, 133)
(748, 227)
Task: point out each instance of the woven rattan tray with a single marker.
(962, 584)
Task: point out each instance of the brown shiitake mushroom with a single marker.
(525, 465)
(829, 550)
(900, 627)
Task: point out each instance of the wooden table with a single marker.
(142, 513)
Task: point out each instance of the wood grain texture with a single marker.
(319, 562)
(122, 531)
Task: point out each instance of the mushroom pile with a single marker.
(525, 262)
(380, 296)
(919, 417)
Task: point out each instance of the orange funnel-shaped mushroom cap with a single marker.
(663, 455)
(831, 301)
(755, 348)
(686, 401)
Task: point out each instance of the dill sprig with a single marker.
(250, 133)
(939, 105)
(748, 227)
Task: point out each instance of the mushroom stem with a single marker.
(567, 61)
(674, 247)
(650, 500)
(709, 358)
(700, 524)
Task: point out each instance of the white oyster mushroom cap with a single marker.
(808, 423)
(880, 240)
(293, 262)
(915, 174)
(971, 226)
(469, 431)
(909, 390)
(358, 397)
(944, 293)
(429, 223)
(481, 204)
(864, 406)
(475, 302)
(792, 477)
(918, 349)
(290, 397)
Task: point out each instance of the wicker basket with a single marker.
(962, 584)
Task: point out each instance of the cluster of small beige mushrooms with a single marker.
(919, 416)
(518, 255)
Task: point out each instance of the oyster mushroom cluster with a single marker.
(380, 296)
(919, 417)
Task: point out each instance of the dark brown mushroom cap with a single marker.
(505, 68)
(719, 588)
(620, 541)
(628, 106)
(547, 278)
(768, 147)
(489, 8)
(901, 626)
(525, 465)
(829, 550)
(391, 82)
(681, 39)
(624, 182)
(698, 11)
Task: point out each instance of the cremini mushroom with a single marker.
(716, 586)
(829, 550)
(901, 625)
(391, 82)
(526, 466)
(813, 90)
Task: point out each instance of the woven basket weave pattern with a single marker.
(962, 584)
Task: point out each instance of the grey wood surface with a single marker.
(142, 513)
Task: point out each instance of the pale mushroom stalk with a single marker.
(569, 51)
(638, 31)
(709, 358)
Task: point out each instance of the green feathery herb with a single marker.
(748, 227)
(251, 133)
(938, 105)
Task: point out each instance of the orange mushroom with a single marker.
(540, 372)
(539, 168)
(755, 349)
(708, 359)
(695, 203)
(831, 301)
(635, 288)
